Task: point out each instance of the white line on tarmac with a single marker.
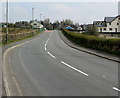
(45, 45)
(18, 86)
(75, 68)
(51, 55)
(4, 61)
(45, 49)
(7, 87)
(116, 89)
(48, 40)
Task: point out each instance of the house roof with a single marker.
(106, 20)
(99, 23)
(68, 27)
(95, 22)
(109, 19)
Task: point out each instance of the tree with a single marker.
(62, 24)
(56, 25)
(92, 30)
(68, 22)
(77, 24)
(47, 21)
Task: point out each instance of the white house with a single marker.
(36, 25)
(109, 25)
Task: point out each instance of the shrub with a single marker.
(94, 42)
(92, 30)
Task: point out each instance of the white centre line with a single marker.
(51, 55)
(75, 68)
(45, 45)
(116, 89)
(47, 41)
(45, 49)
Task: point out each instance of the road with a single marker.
(46, 66)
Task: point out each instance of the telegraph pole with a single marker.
(7, 21)
(33, 14)
(40, 18)
(33, 21)
(44, 21)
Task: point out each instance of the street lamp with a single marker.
(33, 21)
(44, 21)
(7, 21)
(32, 14)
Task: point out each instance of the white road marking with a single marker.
(4, 62)
(116, 89)
(45, 49)
(47, 41)
(45, 45)
(18, 86)
(75, 68)
(51, 55)
(7, 87)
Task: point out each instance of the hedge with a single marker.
(94, 42)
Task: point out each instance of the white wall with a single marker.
(119, 25)
(113, 26)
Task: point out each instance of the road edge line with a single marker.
(7, 89)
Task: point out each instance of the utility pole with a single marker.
(40, 18)
(32, 14)
(5, 18)
(44, 18)
(7, 21)
(33, 21)
(44, 21)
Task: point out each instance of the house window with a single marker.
(118, 18)
(104, 29)
(117, 23)
(110, 29)
(109, 23)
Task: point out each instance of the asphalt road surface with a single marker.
(46, 66)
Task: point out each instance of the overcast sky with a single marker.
(81, 12)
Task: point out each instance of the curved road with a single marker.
(46, 66)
